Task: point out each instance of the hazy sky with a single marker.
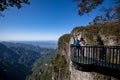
(44, 20)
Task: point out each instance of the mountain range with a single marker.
(17, 59)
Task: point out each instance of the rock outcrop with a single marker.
(108, 34)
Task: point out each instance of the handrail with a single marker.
(100, 55)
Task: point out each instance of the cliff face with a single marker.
(109, 34)
(61, 64)
(82, 75)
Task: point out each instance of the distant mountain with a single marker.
(42, 44)
(7, 54)
(10, 68)
(42, 68)
(29, 46)
(17, 59)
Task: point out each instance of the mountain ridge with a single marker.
(17, 61)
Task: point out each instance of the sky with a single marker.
(44, 20)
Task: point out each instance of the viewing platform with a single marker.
(102, 59)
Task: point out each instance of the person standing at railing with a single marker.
(76, 41)
(75, 45)
(82, 43)
(101, 50)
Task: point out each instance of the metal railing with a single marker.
(105, 56)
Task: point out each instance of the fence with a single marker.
(106, 56)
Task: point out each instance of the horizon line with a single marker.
(26, 40)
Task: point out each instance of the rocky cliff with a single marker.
(109, 34)
(61, 64)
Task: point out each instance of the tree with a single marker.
(117, 10)
(4, 4)
(86, 6)
(110, 14)
(98, 20)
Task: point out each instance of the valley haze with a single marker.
(42, 44)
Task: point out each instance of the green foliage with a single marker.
(110, 14)
(108, 29)
(78, 29)
(117, 9)
(61, 67)
(4, 4)
(63, 40)
(42, 68)
(86, 6)
(98, 76)
(47, 74)
(17, 60)
(10, 68)
(111, 29)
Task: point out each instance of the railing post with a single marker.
(115, 56)
(109, 58)
(82, 48)
(88, 54)
(78, 47)
(105, 56)
(119, 57)
(113, 52)
(83, 56)
(93, 56)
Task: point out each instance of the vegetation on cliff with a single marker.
(16, 60)
(61, 68)
(108, 30)
(105, 31)
(42, 68)
(63, 40)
